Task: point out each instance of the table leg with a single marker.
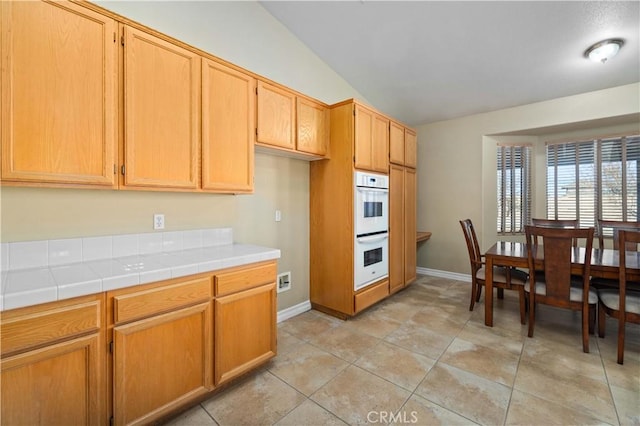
(488, 294)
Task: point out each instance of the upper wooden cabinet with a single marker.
(291, 123)
(161, 112)
(59, 94)
(312, 127)
(89, 102)
(228, 128)
(396, 143)
(371, 140)
(410, 148)
(276, 116)
(402, 145)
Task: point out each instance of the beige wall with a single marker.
(242, 33)
(281, 183)
(456, 163)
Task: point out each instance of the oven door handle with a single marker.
(378, 190)
(372, 238)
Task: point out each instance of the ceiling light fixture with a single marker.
(604, 50)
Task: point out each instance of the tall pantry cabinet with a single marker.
(361, 139)
(402, 207)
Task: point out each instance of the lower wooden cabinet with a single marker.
(245, 319)
(53, 364)
(245, 329)
(160, 363)
(135, 355)
(371, 295)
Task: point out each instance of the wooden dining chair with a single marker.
(576, 280)
(503, 278)
(554, 285)
(621, 303)
(614, 227)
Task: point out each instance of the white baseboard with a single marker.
(292, 311)
(443, 274)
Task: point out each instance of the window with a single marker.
(514, 188)
(594, 179)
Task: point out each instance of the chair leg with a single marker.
(531, 312)
(585, 329)
(620, 338)
(473, 295)
(601, 320)
(501, 293)
(522, 301)
(478, 292)
(592, 319)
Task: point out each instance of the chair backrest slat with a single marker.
(558, 248)
(472, 244)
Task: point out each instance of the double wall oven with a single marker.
(371, 225)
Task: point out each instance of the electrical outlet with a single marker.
(284, 282)
(158, 221)
(278, 215)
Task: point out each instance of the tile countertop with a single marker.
(37, 272)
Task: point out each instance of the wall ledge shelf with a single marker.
(422, 236)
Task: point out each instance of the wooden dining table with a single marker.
(604, 264)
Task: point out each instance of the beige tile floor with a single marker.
(422, 358)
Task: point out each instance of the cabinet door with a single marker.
(409, 225)
(363, 138)
(276, 116)
(161, 362)
(228, 129)
(61, 384)
(371, 141)
(161, 113)
(312, 127)
(245, 331)
(380, 145)
(410, 149)
(396, 228)
(396, 143)
(59, 94)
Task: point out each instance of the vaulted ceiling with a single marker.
(425, 61)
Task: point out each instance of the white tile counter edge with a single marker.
(37, 272)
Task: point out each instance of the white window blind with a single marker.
(593, 179)
(514, 188)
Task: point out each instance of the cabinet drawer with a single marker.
(371, 295)
(36, 328)
(149, 302)
(242, 279)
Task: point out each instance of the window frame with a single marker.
(598, 161)
(525, 184)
